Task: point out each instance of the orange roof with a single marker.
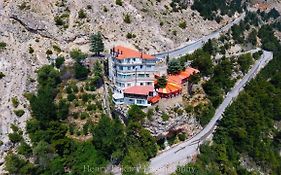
(170, 88)
(139, 90)
(182, 75)
(154, 99)
(262, 6)
(125, 52)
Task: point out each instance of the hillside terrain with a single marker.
(33, 32)
(31, 28)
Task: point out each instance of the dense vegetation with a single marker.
(53, 149)
(209, 8)
(247, 129)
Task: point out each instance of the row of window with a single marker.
(133, 60)
(140, 67)
(132, 84)
(138, 101)
(128, 76)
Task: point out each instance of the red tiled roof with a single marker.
(170, 88)
(182, 75)
(125, 52)
(154, 99)
(139, 90)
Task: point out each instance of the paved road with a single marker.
(191, 47)
(167, 162)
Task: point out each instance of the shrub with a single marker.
(71, 128)
(59, 61)
(85, 97)
(2, 45)
(150, 113)
(15, 137)
(165, 117)
(182, 25)
(130, 35)
(57, 48)
(105, 9)
(182, 136)
(189, 108)
(59, 21)
(82, 14)
(119, 2)
(2, 75)
(24, 149)
(19, 112)
(49, 52)
(84, 115)
(30, 50)
(15, 102)
(127, 19)
(91, 107)
(71, 97)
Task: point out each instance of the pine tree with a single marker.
(97, 45)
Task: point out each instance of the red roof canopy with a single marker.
(154, 99)
(182, 75)
(125, 52)
(139, 90)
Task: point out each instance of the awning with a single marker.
(154, 99)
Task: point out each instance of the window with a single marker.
(141, 66)
(140, 101)
(141, 84)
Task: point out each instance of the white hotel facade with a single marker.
(128, 68)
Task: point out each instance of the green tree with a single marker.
(162, 82)
(109, 136)
(174, 67)
(47, 75)
(97, 45)
(209, 48)
(203, 62)
(135, 113)
(252, 38)
(59, 61)
(42, 104)
(78, 55)
(16, 165)
(81, 72)
(245, 61)
(62, 109)
(193, 79)
(24, 149)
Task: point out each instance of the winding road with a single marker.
(166, 162)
